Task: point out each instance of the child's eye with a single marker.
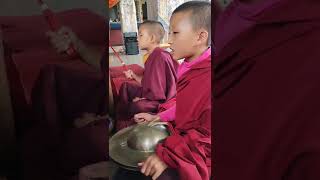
(173, 33)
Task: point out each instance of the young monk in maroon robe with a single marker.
(188, 150)
(266, 90)
(158, 83)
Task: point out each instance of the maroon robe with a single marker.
(188, 150)
(158, 85)
(27, 50)
(167, 105)
(267, 91)
(52, 147)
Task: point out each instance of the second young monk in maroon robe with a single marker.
(157, 86)
(158, 83)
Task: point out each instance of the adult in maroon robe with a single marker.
(158, 85)
(188, 150)
(53, 148)
(266, 91)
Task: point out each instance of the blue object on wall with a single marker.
(115, 26)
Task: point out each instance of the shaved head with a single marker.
(154, 28)
(199, 14)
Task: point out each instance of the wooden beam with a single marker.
(152, 8)
(139, 10)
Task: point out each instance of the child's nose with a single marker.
(170, 41)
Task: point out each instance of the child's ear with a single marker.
(152, 38)
(203, 36)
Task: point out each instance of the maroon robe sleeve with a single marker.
(188, 149)
(189, 153)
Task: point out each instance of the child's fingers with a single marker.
(135, 99)
(126, 73)
(136, 116)
(145, 165)
(139, 116)
(140, 164)
(149, 168)
(139, 120)
(152, 171)
(156, 175)
(149, 165)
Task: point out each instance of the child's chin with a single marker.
(175, 56)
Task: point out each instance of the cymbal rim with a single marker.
(122, 154)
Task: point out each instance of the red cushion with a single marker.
(116, 38)
(28, 64)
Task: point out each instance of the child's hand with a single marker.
(136, 99)
(153, 166)
(129, 74)
(61, 39)
(145, 117)
(85, 119)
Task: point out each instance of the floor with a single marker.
(99, 170)
(128, 59)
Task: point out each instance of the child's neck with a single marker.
(152, 47)
(197, 53)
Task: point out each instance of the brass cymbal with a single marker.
(136, 143)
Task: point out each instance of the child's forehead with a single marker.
(180, 18)
(142, 29)
(145, 31)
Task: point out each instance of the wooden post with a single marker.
(128, 16)
(152, 6)
(139, 10)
